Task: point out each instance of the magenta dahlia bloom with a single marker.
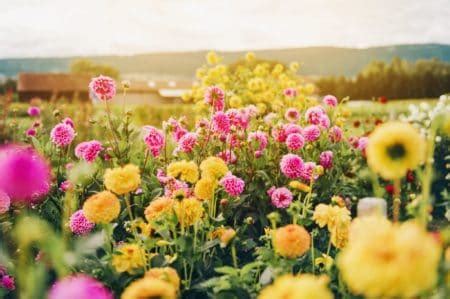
(314, 114)
(259, 139)
(25, 175)
(307, 171)
(79, 225)
(174, 185)
(362, 143)
(330, 100)
(228, 156)
(30, 132)
(215, 96)
(66, 185)
(281, 197)
(154, 139)
(290, 92)
(335, 134)
(311, 133)
(5, 202)
(324, 121)
(34, 111)
(295, 141)
(92, 150)
(187, 143)
(103, 87)
(292, 114)
(238, 118)
(326, 159)
(62, 135)
(291, 166)
(221, 123)
(7, 282)
(233, 185)
(79, 286)
(68, 121)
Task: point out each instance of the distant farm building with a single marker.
(55, 86)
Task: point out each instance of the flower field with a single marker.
(256, 189)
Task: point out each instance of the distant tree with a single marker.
(397, 79)
(8, 85)
(88, 67)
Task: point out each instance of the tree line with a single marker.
(395, 80)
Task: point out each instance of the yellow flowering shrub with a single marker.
(213, 167)
(205, 187)
(389, 260)
(189, 211)
(337, 219)
(102, 207)
(185, 170)
(129, 258)
(122, 180)
(158, 208)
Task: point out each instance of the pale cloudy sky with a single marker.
(31, 28)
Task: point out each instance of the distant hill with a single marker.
(316, 60)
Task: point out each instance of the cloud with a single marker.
(90, 27)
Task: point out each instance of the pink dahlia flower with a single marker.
(154, 139)
(291, 166)
(307, 171)
(7, 282)
(228, 156)
(290, 92)
(330, 100)
(103, 87)
(221, 123)
(292, 115)
(326, 159)
(79, 286)
(362, 143)
(238, 118)
(34, 111)
(324, 121)
(30, 132)
(68, 121)
(66, 185)
(5, 202)
(187, 143)
(62, 135)
(25, 175)
(79, 225)
(215, 96)
(335, 134)
(88, 150)
(314, 114)
(311, 133)
(281, 197)
(295, 141)
(233, 185)
(259, 139)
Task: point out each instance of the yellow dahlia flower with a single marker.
(304, 286)
(102, 207)
(291, 241)
(213, 167)
(189, 211)
(389, 260)
(235, 102)
(186, 171)
(129, 258)
(122, 180)
(299, 186)
(158, 208)
(337, 219)
(148, 287)
(394, 148)
(165, 273)
(205, 187)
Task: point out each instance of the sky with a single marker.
(40, 28)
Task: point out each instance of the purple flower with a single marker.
(34, 111)
(7, 282)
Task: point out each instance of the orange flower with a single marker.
(291, 241)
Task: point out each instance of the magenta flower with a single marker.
(162, 177)
(30, 132)
(215, 96)
(291, 166)
(295, 141)
(154, 139)
(5, 202)
(233, 185)
(79, 286)
(228, 156)
(307, 171)
(79, 225)
(259, 139)
(187, 143)
(335, 134)
(238, 118)
(103, 87)
(66, 185)
(34, 111)
(174, 185)
(221, 123)
(314, 114)
(290, 92)
(324, 121)
(326, 159)
(7, 282)
(68, 121)
(25, 175)
(311, 133)
(92, 151)
(62, 135)
(281, 197)
(292, 115)
(330, 100)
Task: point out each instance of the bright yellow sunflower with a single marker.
(394, 148)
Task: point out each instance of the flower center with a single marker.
(396, 151)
